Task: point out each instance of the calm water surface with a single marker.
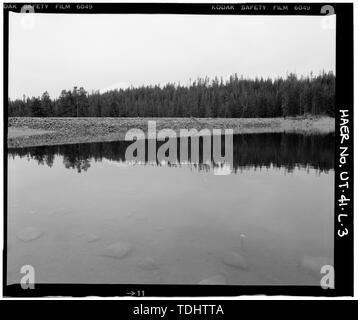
(67, 204)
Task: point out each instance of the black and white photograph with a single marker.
(175, 148)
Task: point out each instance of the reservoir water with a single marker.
(80, 213)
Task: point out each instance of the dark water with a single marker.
(173, 223)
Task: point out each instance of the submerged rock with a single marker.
(88, 237)
(29, 234)
(214, 280)
(148, 264)
(236, 260)
(117, 250)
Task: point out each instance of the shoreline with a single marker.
(31, 132)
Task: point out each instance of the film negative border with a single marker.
(343, 216)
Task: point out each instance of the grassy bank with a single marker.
(25, 132)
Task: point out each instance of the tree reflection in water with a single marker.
(263, 150)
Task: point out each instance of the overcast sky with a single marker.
(98, 52)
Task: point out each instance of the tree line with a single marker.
(233, 98)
